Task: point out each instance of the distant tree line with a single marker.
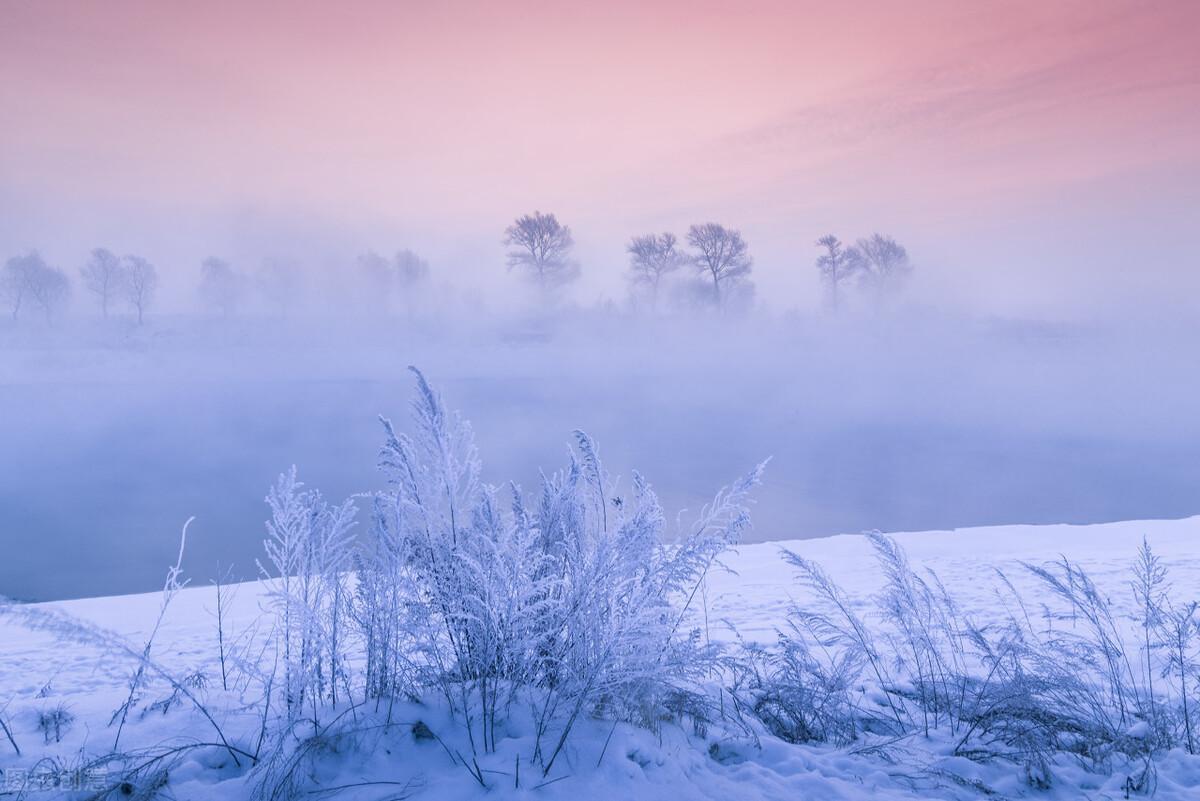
(719, 259)
(130, 284)
(711, 268)
(27, 281)
(715, 266)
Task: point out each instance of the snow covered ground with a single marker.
(43, 673)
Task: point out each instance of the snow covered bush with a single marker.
(308, 551)
(576, 604)
(573, 605)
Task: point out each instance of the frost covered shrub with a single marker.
(449, 592)
(619, 599)
(573, 603)
(308, 550)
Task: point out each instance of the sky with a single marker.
(1035, 157)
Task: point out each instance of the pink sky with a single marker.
(975, 132)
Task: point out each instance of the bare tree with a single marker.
(17, 278)
(836, 264)
(50, 290)
(542, 246)
(29, 279)
(883, 262)
(650, 258)
(220, 286)
(722, 255)
(140, 281)
(102, 275)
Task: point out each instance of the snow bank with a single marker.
(42, 673)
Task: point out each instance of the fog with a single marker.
(1037, 161)
(112, 435)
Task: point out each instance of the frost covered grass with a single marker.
(1073, 678)
(452, 639)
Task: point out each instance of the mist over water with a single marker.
(112, 437)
